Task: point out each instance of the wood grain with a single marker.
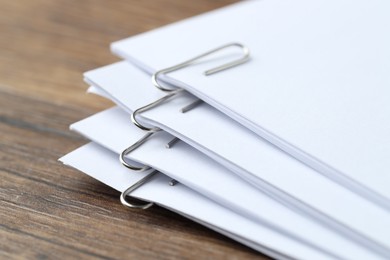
(51, 211)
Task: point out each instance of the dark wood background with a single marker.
(47, 209)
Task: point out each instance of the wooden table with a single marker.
(47, 209)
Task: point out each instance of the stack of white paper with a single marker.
(287, 154)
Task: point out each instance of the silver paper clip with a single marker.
(128, 150)
(150, 106)
(133, 187)
(244, 58)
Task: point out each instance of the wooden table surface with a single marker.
(47, 209)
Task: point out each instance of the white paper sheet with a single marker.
(106, 168)
(198, 172)
(317, 85)
(250, 157)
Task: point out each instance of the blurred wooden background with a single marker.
(47, 209)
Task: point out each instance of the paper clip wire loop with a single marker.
(134, 187)
(243, 59)
(150, 106)
(131, 148)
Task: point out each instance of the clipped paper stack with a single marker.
(288, 151)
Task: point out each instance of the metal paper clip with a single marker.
(137, 144)
(134, 187)
(132, 148)
(150, 106)
(244, 58)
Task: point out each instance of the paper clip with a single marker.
(134, 187)
(137, 144)
(132, 148)
(243, 59)
(150, 106)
